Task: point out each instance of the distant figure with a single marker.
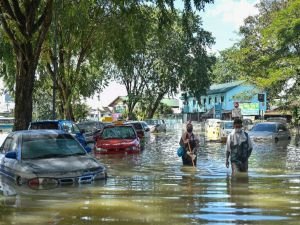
(236, 112)
(238, 147)
(189, 143)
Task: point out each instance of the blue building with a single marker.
(220, 98)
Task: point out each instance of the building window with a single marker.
(209, 100)
(222, 98)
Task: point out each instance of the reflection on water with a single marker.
(154, 188)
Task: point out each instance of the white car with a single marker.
(46, 159)
(156, 125)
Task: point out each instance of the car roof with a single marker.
(117, 125)
(269, 123)
(43, 131)
(50, 121)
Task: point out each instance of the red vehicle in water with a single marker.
(117, 139)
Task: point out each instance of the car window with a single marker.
(66, 126)
(145, 125)
(228, 125)
(6, 146)
(137, 126)
(264, 127)
(282, 127)
(44, 125)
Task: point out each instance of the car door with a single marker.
(9, 165)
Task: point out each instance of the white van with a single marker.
(212, 129)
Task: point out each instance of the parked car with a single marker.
(117, 139)
(156, 125)
(226, 127)
(142, 129)
(65, 125)
(268, 131)
(47, 159)
(90, 129)
(146, 128)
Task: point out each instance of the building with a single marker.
(119, 105)
(220, 98)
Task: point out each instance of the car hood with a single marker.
(62, 165)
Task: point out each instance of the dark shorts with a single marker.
(240, 166)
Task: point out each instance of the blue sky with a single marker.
(222, 19)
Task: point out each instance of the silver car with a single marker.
(156, 125)
(266, 131)
(46, 159)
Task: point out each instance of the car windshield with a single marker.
(228, 125)
(264, 127)
(89, 126)
(119, 132)
(39, 146)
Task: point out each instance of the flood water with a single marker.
(154, 188)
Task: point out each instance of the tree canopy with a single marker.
(25, 24)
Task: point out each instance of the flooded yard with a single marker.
(154, 188)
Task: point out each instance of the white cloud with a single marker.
(233, 11)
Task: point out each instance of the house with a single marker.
(118, 105)
(220, 98)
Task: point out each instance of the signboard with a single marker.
(250, 108)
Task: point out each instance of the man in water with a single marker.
(238, 147)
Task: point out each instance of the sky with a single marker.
(222, 19)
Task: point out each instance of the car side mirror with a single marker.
(147, 129)
(11, 155)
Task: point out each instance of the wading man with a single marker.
(238, 147)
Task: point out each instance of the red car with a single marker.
(117, 139)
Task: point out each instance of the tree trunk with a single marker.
(153, 107)
(24, 88)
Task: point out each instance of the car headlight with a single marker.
(40, 183)
(101, 149)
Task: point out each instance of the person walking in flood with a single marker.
(238, 147)
(189, 143)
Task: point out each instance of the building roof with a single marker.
(222, 88)
(117, 99)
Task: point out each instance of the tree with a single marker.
(269, 48)
(80, 29)
(153, 66)
(26, 25)
(226, 68)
